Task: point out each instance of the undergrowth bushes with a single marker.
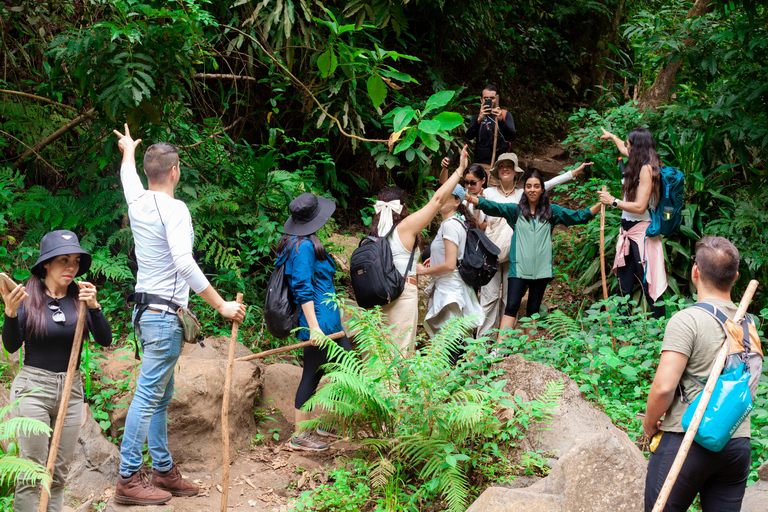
(432, 432)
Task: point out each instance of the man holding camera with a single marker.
(492, 120)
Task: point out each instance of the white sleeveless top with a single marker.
(637, 217)
(401, 254)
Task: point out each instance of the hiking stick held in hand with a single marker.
(602, 248)
(225, 413)
(287, 348)
(71, 369)
(682, 453)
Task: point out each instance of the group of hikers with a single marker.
(512, 208)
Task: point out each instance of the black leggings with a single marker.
(632, 273)
(719, 477)
(314, 358)
(516, 289)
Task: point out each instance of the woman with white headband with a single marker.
(402, 314)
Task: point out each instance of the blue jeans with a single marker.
(162, 337)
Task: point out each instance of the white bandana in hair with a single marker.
(385, 214)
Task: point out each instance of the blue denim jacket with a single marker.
(311, 280)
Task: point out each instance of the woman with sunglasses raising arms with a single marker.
(43, 316)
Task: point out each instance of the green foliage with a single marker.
(430, 423)
(13, 468)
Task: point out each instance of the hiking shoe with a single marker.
(328, 431)
(307, 442)
(173, 482)
(136, 490)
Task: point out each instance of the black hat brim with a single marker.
(85, 259)
(326, 207)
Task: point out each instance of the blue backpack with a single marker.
(667, 215)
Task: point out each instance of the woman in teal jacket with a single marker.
(530, 253)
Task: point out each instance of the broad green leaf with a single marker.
(440, 99)
(429, 126)
(627, 351)
(429, 140)
(402, 118)
(448, 120)
(327, 62)
(450, 460)
(377, 90)
(408, 141)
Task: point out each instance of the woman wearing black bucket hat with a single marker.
(309, 270)
(43, 316)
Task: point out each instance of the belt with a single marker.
(412, 280)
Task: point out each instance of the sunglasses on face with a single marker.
(58, 314)
(471, 183)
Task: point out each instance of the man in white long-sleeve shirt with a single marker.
(163, 235)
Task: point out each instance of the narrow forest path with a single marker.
(265, 479)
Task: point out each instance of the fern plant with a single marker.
(420, 416)
(12, 467)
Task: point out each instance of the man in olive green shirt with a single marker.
(691, 342)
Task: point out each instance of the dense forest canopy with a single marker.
(267, 99)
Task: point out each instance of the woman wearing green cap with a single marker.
(43, 316)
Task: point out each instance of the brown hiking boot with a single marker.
(135, 490)
(173, 482)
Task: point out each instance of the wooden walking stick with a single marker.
(602, 265)
(225, 413)
(682, 453)
(602, 247)
(71, 369)
(287, 348)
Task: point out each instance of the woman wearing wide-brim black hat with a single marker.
(43, 316)
(309, 270)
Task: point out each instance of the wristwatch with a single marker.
(615, 203)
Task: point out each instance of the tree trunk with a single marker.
(661, 89)
(610, 36)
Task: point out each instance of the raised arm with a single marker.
(415, 222)
(570, 217)
(505, 210)
(642, 198)
(132, 187)
(620, 144)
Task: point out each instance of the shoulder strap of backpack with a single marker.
(721, 318)
(410, 260)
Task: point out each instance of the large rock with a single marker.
(606, 473)
(501, 499)
(575, 419)
(95, 464)
(278, 398)
(756, 497)
(194, 429)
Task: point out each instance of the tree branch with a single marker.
(304, 87)
(31, 149)
(38, 98)
(216, 76)
(55, 135)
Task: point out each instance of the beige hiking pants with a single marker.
(40, 392)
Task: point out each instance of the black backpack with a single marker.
(281, 313)
(375, 279)
(481, 258)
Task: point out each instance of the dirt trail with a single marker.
(262, 480)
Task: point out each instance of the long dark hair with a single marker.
(464, 211)
(641, 152)
(478, 172)
(543, 208)
(292, 242)
(35, 324)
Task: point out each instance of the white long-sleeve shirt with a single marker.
(162, 232)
